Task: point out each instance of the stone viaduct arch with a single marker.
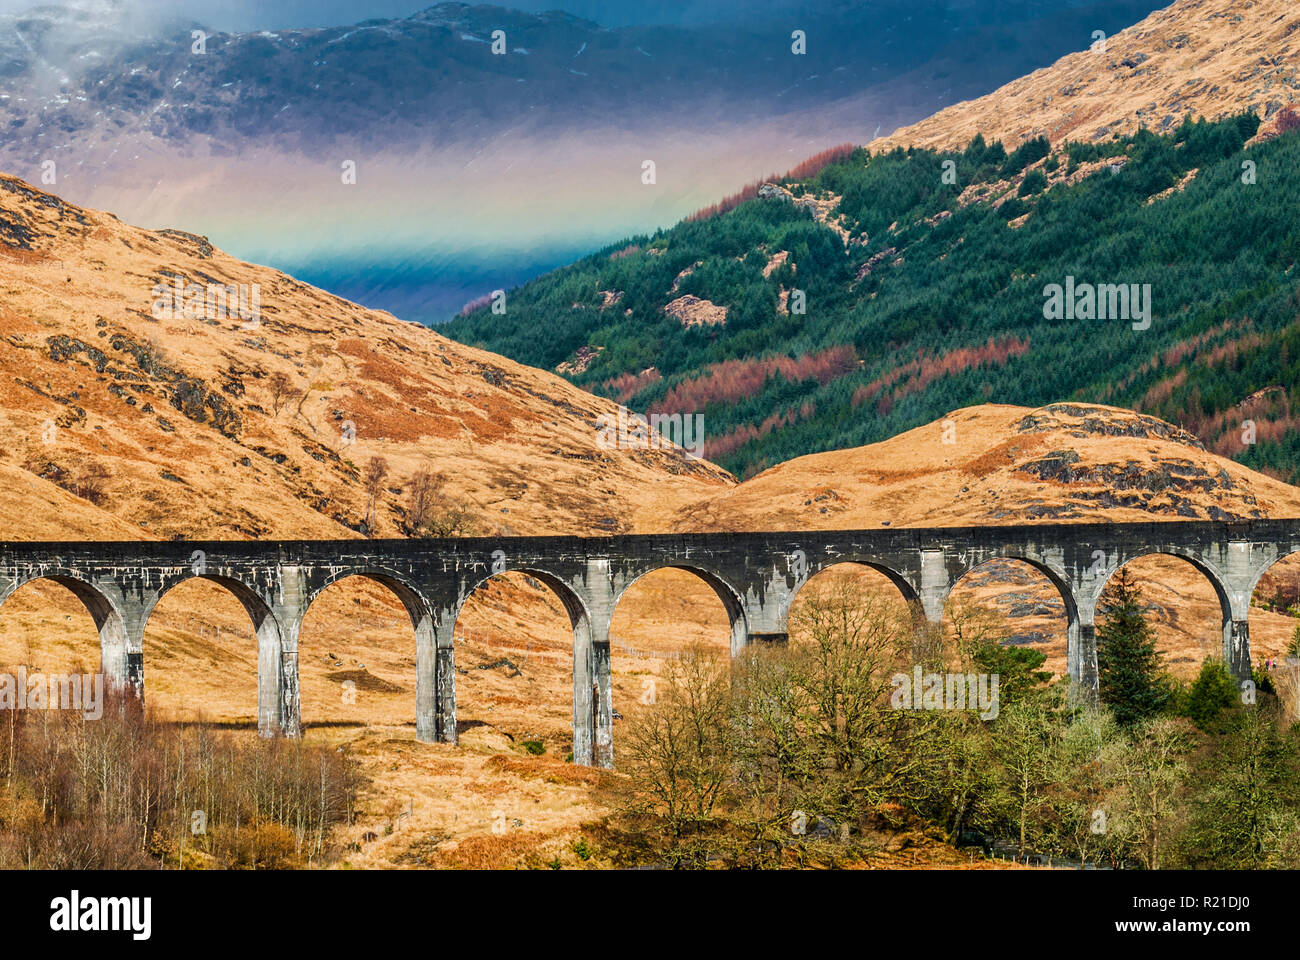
(271, 714)
(906, 586)
(105, 605)
(1081, 636)
(1236, 630)
(731, 601)
(591, 681)
(756, 575)
(417, 607)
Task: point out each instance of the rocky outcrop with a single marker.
(1093, 421)
(693, 311)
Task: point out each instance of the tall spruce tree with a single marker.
(1128, 664)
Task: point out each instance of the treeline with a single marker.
(807, 754)
(810, 167)
(930, 292)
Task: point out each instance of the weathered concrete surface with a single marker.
(756, 575)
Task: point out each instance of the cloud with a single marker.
(246, 15)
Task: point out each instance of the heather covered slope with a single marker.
(227, 428)
(1210, 58)
(1002, 464)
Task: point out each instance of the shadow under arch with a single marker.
(274, 713)
(430, 721)
(592, 688)
(115, 662)
(731, 602)
(911, 598)
(1234, 661)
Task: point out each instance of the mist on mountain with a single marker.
(402, 162)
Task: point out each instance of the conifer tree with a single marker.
(1214, 691)
(1128, 664)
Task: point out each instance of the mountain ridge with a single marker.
(1210, 58)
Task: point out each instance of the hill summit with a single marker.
(1207, 58)
(1002, 464)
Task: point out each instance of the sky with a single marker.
(245, 15)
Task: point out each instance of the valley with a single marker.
(893, 338)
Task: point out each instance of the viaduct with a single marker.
(756, 576)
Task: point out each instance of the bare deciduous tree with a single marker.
(431, 512)
(679, 751)
(373, 480)
(282, 392)
(1148, 769)
(421, 498)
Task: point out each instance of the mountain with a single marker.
(1211, 58)
(469, 171)
(121, 424)
(875, 294)
(221, 426)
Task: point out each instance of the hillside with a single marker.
(167, 428)
(888, 289)
(1001, 464)
(1210, 58)
(225, 427)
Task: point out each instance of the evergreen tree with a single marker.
(1128, 664)
(1213, 692)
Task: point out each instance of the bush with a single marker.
(1213, 692)
(582, 849)
(264, 846)
(1035, 182)
(123, 792)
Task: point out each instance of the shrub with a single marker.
(1035, 182)
(122, 793)
(582, 849)
(264, 846)
(1213, 692)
